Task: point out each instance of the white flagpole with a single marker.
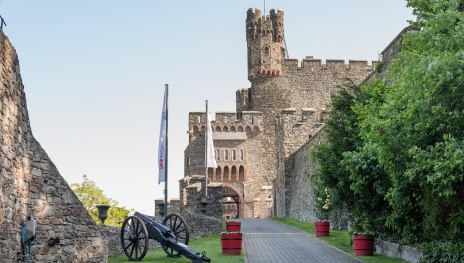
(206, 148)
(166, 171)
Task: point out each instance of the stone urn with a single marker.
(102, 212)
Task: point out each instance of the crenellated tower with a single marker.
(265, 42)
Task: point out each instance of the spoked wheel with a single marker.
(179, 228)
(134, 238)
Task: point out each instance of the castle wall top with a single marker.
(312, 64)
(248, 118)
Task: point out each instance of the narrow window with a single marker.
(218, 155)
(234, 155)
(241, 155)
(266, 51)
(188, 162)
(226, 155)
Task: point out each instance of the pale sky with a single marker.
(94, 73)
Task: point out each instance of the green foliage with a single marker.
(91, 195)
(332, 179)
(400, 140)
(442, 252)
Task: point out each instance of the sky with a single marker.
(94, 73)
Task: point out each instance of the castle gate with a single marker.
(231, 203)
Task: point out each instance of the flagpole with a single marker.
(206, 148)
(166, 163)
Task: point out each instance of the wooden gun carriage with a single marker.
(172, 233)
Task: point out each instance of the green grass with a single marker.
(210, 244)
(338, 239)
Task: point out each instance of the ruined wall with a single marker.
(30, 185)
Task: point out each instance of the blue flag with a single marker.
(162, 143)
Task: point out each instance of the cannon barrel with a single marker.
(156, 230)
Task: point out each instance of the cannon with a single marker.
(172, 233)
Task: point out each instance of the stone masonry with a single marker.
(300, 164)
(30, 185)
(281, 111)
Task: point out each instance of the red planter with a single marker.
(322, 228)
(231, 243)
(363, 245)
(233, 226)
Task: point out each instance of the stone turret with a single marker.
(265, 42)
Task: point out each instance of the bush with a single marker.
(442, 252)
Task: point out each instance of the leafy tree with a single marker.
(416, 129)
(91, 195)
(353, 178)
(400, 140)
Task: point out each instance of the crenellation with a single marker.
(281, 112)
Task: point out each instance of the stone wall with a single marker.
(242, 174)
(300, 201)
(30, 185)
(410, 254)
(287, 100)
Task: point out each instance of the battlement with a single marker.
(312, 64)
(265, 42)
(297, 117)
(227, 121)
(254, 13)
(265, 25)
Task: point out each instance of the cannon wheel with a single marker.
(179, 228)
(134, 238)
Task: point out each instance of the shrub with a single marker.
(442, 252)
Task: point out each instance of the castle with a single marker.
(281, 112)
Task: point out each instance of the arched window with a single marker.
(267, 51)
(234, 155)
(240, 128)
(218, 128)
(232, 129)
(233, 174)
(225, 129)
(218, 173)
(241, 173)
(226, 174)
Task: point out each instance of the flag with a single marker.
(162, 143)
(211, 162)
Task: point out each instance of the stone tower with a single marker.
(265, 42)
(279, 113)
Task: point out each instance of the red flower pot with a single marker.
(363, 245)
(233, 226)
(322, 228)
(231, 243)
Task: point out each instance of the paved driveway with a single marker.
(271, 242)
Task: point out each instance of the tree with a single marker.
(416, 128)
(91, 195)
(405, 134)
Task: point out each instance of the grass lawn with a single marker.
(338, 239)
(210, 244)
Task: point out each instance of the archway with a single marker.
(230, 203)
